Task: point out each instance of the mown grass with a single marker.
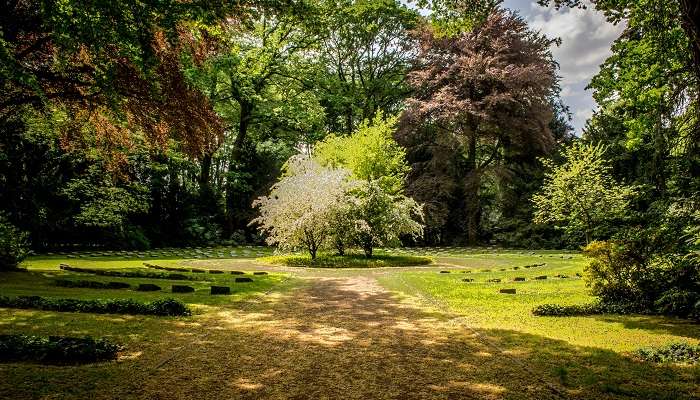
(346, 261)
(147, 339)
(578, 348)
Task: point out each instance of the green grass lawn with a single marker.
(590, 353)
(588, 356)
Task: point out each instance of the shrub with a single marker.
(674, 352)
(129, 274)
(56, 349)
(346, 261)
(14, 245)
(91, 284)
(681, 303)
(556, 310)
(167, 307)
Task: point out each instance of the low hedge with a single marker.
(129, 274)
(556, 310)
(91, 284)
(673, 352)
(56, 349)
(165, 307)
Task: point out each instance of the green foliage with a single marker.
(129, 274)
(163, 307)
(14, 244)
(581, 193)
(370, 153)
(91, 284)
(56, 349)
(347, 261)
(673, 353)
(380, 218)
(555, 310)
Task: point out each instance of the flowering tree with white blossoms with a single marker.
(301, 207)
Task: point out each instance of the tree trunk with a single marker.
(471, 189)
(368, 248)
(690, 20)
(340, 246)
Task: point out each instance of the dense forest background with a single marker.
(150, 124)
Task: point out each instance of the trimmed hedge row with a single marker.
(56, 349)
(165, 307)
(129, 274)
(556, 310)
(91, 284)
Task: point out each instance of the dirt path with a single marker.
(335, 338)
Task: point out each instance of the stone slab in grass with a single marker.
(540, 278)
(467, 272)
(118, 285)
(237, 272)
(216, 271)
(220, 290)
(147, 287)
(444, 272)
(182, 289)
(259, 273)
(243, 280)
(519, 279)
(494, 280)
(507, 291)
(197, 271)
(467, 280)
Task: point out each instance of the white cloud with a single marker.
(586, 38)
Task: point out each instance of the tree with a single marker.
(365, 52)
(380, 218)
(378, 213)
(300, 207)
(370, 153)
(581, 192)
(479, 95)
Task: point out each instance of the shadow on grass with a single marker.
(351, 339)
(668, 325)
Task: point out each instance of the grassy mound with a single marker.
(346, 261)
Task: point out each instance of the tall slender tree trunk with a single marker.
(471, 190)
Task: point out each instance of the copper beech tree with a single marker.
(479, 96)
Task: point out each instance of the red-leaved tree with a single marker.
(479, 97)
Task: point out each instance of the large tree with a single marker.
(365, 53)
(480, 95)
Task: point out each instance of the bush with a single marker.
(56, 349)
(555, 310)
(346, 261)
(674, 352)
(129, 274)
(167, 307)
(14, 245)
(91, 284)
(681, 303)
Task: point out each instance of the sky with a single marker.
(586, 38)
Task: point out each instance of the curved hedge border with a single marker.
(165, 307)
(56, 349)
(129, 274)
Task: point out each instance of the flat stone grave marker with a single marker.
(519, 279)
(147, 287)
(259, 273)
(220, 290)
(540, 278)
(243, 280)
(507, 291)
(237, 272)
